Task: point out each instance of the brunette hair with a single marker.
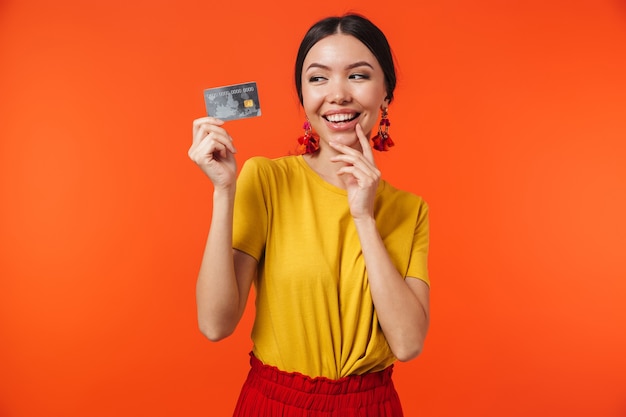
(362, 29)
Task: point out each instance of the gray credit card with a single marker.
(231, 102)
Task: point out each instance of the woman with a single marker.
(337, 255)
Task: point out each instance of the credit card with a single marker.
(231, 102)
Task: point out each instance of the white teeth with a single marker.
(340, 117)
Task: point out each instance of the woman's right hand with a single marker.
(213, 151)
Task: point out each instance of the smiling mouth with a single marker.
(341, 117)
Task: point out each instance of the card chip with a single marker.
(248, 103)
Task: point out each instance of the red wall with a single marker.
(510, 119)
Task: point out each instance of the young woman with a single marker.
(337, 255)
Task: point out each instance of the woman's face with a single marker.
(342, 85)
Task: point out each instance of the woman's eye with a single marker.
(316, 78)
(359, 76)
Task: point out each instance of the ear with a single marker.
(385, 104)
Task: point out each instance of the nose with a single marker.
(339, 92)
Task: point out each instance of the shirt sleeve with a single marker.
(250, 217)
(418, 264)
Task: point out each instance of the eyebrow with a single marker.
(351, 66)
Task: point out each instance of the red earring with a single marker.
(307, 143)
(382, 140)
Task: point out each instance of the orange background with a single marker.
(509, 119)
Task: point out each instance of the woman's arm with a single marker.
(402, 305)
(225, 275)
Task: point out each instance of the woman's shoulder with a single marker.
(272, 165)
(395, 195)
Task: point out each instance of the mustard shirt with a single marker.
(314, 310)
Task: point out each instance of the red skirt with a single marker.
(269, 392)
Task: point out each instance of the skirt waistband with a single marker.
(270, 392)
(320, 384)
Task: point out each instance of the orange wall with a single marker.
(510, 119)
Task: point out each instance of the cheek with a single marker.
(368, 127)
(373, 96)
(310, 99)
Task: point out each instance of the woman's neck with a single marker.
(322, 165)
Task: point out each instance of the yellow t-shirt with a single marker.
(314, 310)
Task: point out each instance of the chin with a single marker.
(348, 139)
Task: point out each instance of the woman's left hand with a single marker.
(359, 174)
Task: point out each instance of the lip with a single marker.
(341, 126)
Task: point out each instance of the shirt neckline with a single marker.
(321, 181)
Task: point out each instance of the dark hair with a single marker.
(362, 29)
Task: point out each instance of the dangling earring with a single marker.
(307, 143)
(382, 140)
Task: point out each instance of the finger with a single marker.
(207, 151)
(208, 139)
(204, 129)
(208, 119)
(365, 143)
(218, 144)
(211, 132)
(202, 123)
(361, 170)
(347, 150)
(358, 161)
(356, 158)
(364, 179)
